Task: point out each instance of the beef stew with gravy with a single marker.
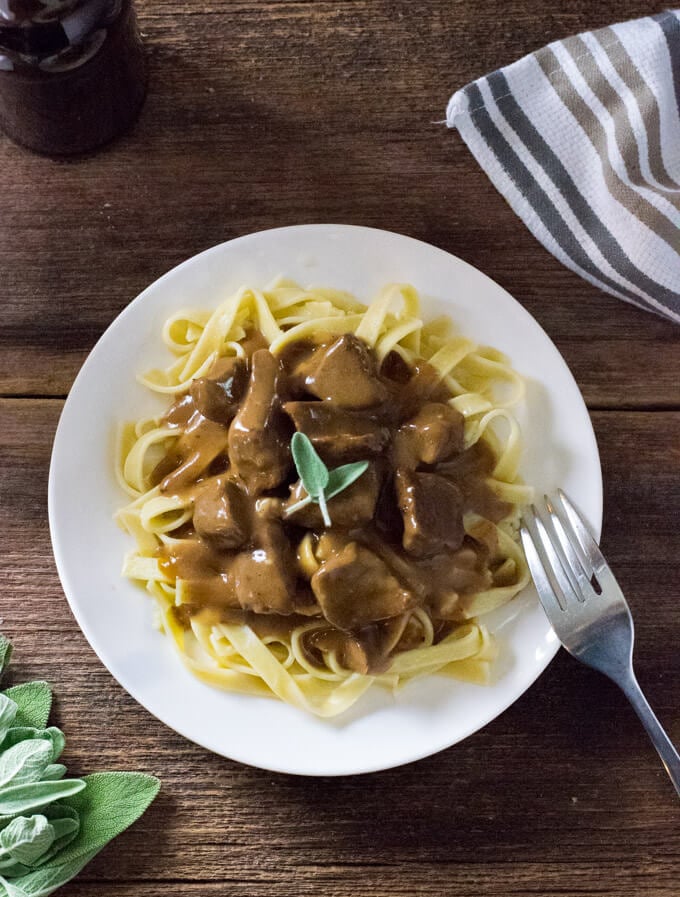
(397, 540)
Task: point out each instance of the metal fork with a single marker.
(586, 607)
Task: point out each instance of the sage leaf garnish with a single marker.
(320, 483)
(342, 477)
(52, 826)
(313, 472)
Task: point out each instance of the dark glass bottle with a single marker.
(72, 72)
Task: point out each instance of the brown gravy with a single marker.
(397, 541)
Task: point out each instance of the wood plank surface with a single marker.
(264, 113)
(562, 794)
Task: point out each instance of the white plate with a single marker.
(380, 731)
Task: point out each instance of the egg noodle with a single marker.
(483, 388)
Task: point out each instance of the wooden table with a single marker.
(264, 113)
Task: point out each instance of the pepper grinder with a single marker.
(72, 72)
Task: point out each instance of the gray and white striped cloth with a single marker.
(583, 140)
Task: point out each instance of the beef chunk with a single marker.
(388, 520)
(258, 435)
(433, 435)
(220, 513)
(345, 373)
(355, 656)
(353, 506)
(202, 442)
(179, 413)
(394, 368)
(296, 358)
(264, 579)
(354, 588)
(217, 395)
(469, 471)
(432, 510)
(338, 435)
(424, 385)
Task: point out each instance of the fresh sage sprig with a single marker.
(51, 826)
(320, 483)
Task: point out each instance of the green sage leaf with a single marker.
(26, 839)
(342, 477)
(65, 831)
(321, 498)
(51, 827)
(25, 762)
(11, 890)
(24, 733)
(11, 868)
(47, 879)
(8, 712)
(53, 772)
(311, 469)
(64, 827)
(60, 810)
(34, 702)
(110, 803)
(19, 799)
(66, 824)
(5, 652)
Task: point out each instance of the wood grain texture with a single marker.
(263, 114)
(562, 794)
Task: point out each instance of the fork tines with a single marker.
(563, 557)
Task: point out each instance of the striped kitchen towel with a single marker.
(582, 138)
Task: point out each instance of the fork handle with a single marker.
(669, 756)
